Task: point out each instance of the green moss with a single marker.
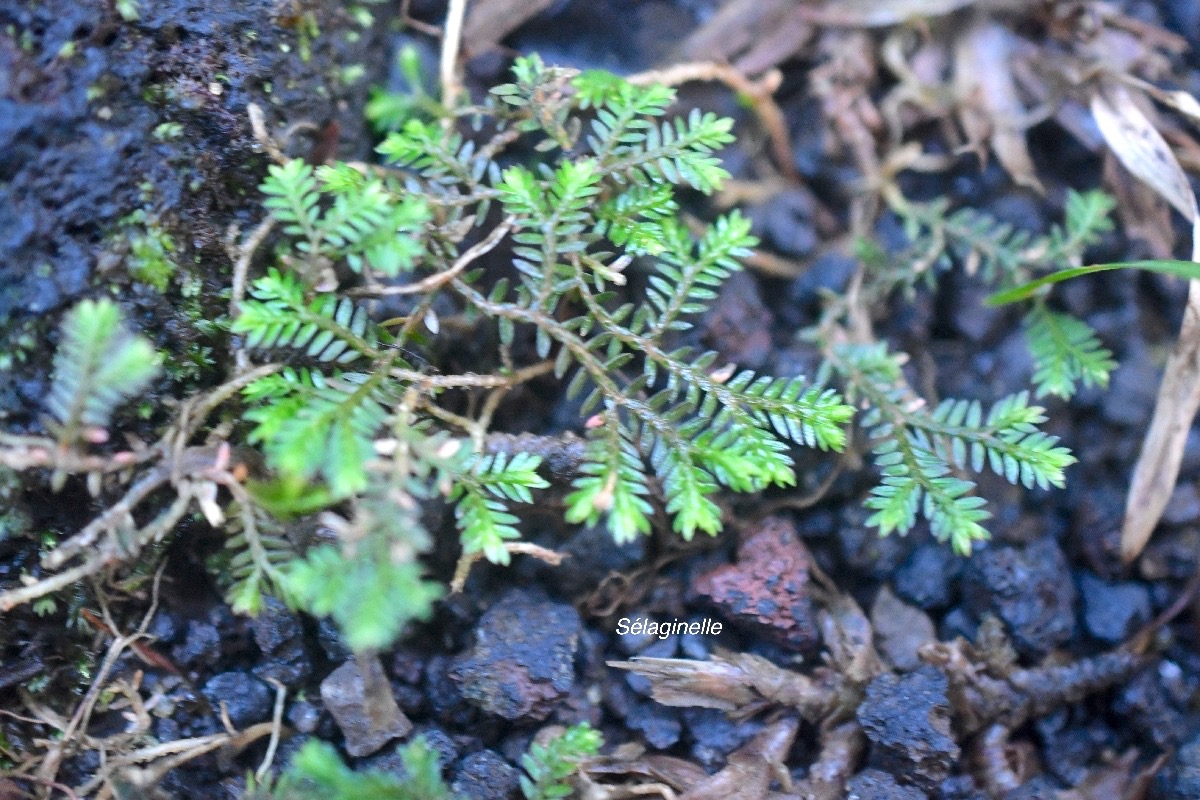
(150, 259)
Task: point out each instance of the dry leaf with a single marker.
(1181, 101)
(881, 13)
(841, 750)
(1162, 452)
(990, 107)
(748, 773)
(1110, 782)
(1143, 214)
(1143, 151)
(489, 21)
(739, 683)
(736, 28)
(901, 630)
(1141, 148)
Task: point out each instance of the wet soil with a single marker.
(111, 129)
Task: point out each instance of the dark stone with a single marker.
(1039, 788)
(1132, 390)
(873, 784)
(907, 720)
(766, 591)
(927, 578)
(1152, 710)
(331, 641)
(591, 555)
(658, 648)
(829, 272)
(446, 701)
(164, 627)
(279, 636)
(1180, 778)
(1112, 611)
(440, 743)
(304, 716)
(408, 666)
(660, 726)
(964, 308)
(201, 646)
(1070, 748)
(1029, 589)
(486, 776)
(739, 324)
(391, 760)
(247, 699)
(1184, 505)
(785, 222)
(522, 663)
(864, 550)
(368, 723)
(901, 630)
(959, 787)
(713, 735)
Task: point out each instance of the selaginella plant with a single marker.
(576, 175)
(357, 415)
(926, 452)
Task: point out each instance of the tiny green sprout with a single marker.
(166, 131)
(129, 10)
(352, 74)
(549, 766)
(44, 606)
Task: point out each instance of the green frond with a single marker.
(367, 223)
(687, 277)
(1066, 352)
(98, 365)
(480, 491)
(810, 415)
(438, 158)
(676, 151)
(1088, 215)
(687, 488)
(917, 449)
(548, 766)
(317, 771)
(485, 525)
(509, 478)
(330, 432)
(327, 328)
(254, 562)
(292, 196)
(368, 592)
(743, 458)
(612, 483)
(636, 217)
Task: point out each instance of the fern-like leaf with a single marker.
(328, 328)
(481, 490)
(1066, 352)
(369, 593)
(548, 766)
(331, 432)
(99, 364)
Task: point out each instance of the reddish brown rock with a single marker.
(767, 589)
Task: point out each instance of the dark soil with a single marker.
(79, 154)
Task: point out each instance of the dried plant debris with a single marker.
(956, 711)
(749, 773)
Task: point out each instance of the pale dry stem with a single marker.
(760, 93)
